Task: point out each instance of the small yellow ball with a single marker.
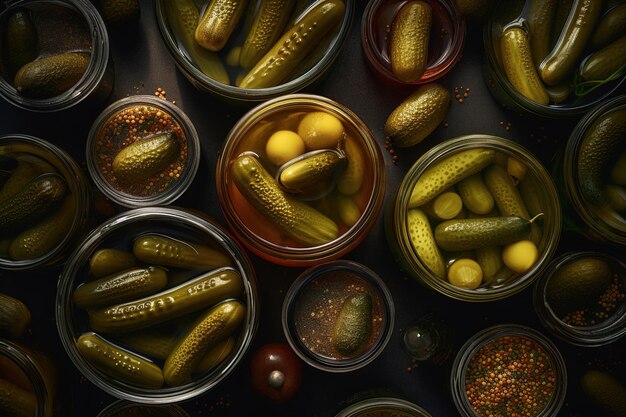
(465, 273)
(320, 130)
(520, 256)
(283, 146)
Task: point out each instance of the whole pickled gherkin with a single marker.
(20, 40)
(611, 27)
(470, 234)
(167, 251)
(15, 401)
(52, 75)
(607, 61)
(146, 157)
(540, 19)
(410, 32)
(14, 316)
(353, 325)
(218, 22)
(311, 170)
(107, 261)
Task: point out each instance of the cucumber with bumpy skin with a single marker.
(16, 402)
(469, 234)
(14, 316)
(423, 242)
(505, 193)
(166, 251)
(218, 22)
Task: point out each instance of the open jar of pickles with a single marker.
(476, 218)
(300, 180)
(157, 306)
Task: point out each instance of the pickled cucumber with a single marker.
(505, 193)
(313, 169)
(16, 402)
(611, 27)
(408, 47)
(108, 261)
(146, 157)
(354, 324)
(52, 75)
(120, 12)
(607, 61)
(20, 38)
(19, 178)
(14, 316)
(423, 242)
(605, 391)
(166, 251)
(351, 180)
(218, 22)
(540, 18)
(475, 194)
(469, 234)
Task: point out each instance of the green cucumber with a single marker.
(353, 325)
(469, 234)
(166, 251)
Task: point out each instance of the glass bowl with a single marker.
(508, 96)
(383, 407)
(530, 351)
(154, 146)
(597, 313)
(129, 409)
(311, 69)
(355, 189)
(444, 50)
(61, 26)
(338, 316)
(427, 246)
(30, 375)
(40, 238)
(602, 220)
(191, 253)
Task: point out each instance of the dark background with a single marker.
(142, 64)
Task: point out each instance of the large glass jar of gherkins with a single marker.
(157, 305)
(476, 218)
(555, 59)
(594, 172)
(232, 55)
(45, 202)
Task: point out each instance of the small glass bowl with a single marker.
(328, 286)
(446, 39)
(320, 61)
(607, 329)
(504, 332)
(96, 83)
(129, 409)
(501, 285)
(26, 370)
(600, 222)
(383, 407)
(119, 232)
(117, 127)
(40, 156)
(252, 228)
(508, 96)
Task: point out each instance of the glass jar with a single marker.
(317, 302)
(135, 231)
(600, 221)
(46, 239)
(445, 46)
(129, 409)
(383, 407)
(118, 127)
(315, 66)
(509, 97)
(63, 26)
(500, 281)
(255, 228)
(30, 375)
(531, 344)
(599, 321)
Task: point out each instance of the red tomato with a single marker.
(276, 372)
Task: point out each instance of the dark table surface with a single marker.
(143, 64)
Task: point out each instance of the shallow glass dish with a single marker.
(201, 286)
(410, 241)
(311, 69)
(383, 407)
(324, 298)
(534, 352)
(61, 26)
(42, 238)
(124, 125)
(447, 35)
(256, 217)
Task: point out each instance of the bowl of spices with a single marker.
(383, 407)
(53, 55)
(300, 180)
(507, 370)
(142, 151)
(580, 298)
(412, 42)
(476, 218)
(338, 316)
(554, 60)
(128, 409)
(45, 201)
(157, 306)
(594, 172)
(260, 49)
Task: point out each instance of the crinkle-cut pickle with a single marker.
(277, 64)
(218, 22)
(410, 32)
(519, 66)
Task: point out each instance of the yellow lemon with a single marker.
(320, 130)
(283, 146)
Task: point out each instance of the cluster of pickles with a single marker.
(473, 218)
(37, 206)
(263, 42)
(162, 314)
(36, 67)
(304, 181)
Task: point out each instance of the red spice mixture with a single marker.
(511, 376)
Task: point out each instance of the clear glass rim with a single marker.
(388, 315)
(302, 256)
(420, 270)
(383, 403)
(191, 165)
(65, 321)
(261, 94)
(90, 79)
(118, 406)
